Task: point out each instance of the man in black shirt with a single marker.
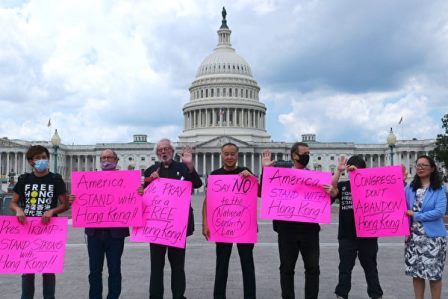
(37, 194)
(168, 168)
(350, 245)
(297, 237)
(229, 156)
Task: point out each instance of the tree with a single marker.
(441, 148)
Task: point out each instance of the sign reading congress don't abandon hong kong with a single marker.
(32, 247)
(232, 208)
(106, 198)
(295, 195)
(379, 202)
(166, 205)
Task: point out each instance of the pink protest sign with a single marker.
(106, 199)
(166, 205)
(232, 208)
(379, 202)
(32, 247)
(295, 195)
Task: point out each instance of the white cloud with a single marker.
(105, 70)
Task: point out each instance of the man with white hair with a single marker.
(168, 168)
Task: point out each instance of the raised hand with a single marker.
(245, 173)
(266, 160)
(187, 157)
(341, 163)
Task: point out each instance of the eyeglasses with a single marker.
(163, 149)
(107, 158)
(422, 166)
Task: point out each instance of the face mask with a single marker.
(41, 165)
(106, 165)
(303, 159)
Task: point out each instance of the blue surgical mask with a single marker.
(41, 165)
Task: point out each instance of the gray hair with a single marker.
(165, 140)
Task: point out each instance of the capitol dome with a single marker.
(224, 97)
(224, 60)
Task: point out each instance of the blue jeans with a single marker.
(112, 248)
(49, 286)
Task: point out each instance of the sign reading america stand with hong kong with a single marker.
(106, 198)
(232, 208)
(379, 202)
(32, 247)
(166, 209)
(295, 195)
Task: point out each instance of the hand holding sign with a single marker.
(106, 199)
(295, 195)
(32, 247)
(166, 205)
(379, 202)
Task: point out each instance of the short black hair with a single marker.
(296, 145)
(35, 150)
(357, 161)
(230, 144)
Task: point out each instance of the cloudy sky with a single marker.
(105, 70)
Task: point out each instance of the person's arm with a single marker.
(205, 229)
(150, 175)
(14, 206)
(437, 212)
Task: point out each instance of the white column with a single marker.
(214, 120)
(1, 163)
(204, 173)
(259, 163)
(206, 118)
(79, 162)
(23, 162)
(7, 163)
(228, 118)
(196, 162)
(275, 156)
(235, 114)
(252, 156)
(371, 161)
(241, 117)
(220, 161)
(244, 159)
(213, 162)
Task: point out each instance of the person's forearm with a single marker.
(335, 179)
(13, 206)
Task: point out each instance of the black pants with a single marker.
(176, 257)
(49, 286)
(112, 248)
(289, 246)
(366, 249)
(223, 251)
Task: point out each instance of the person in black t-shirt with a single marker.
(168, 168)
(37, 194)
(229, 155)
(350, 245)
(297, 237)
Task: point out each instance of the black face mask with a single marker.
(303, 160)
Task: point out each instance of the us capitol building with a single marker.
(224, 107)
